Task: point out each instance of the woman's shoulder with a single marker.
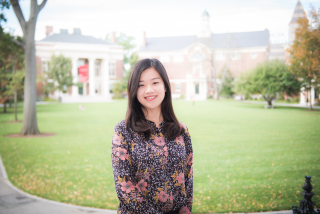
(183, 125)
(121, 127)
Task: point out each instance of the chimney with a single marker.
(49, 30)
(113, 38)
(76, 31)
(64, 31)
(144, 39)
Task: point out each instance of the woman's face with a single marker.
(151, 89)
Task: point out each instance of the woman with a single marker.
(151, 150)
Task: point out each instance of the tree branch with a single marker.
(17, 10)
(18, 43)
(42, 4)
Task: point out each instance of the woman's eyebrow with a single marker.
(151, 79)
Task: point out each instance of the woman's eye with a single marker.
(140, 85)
(155, 82)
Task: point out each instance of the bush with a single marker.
(255, 98)
(288, 100)
(296, 100)
(182, 96)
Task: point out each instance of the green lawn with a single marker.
(246, 158)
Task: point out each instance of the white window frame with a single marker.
(112, 69)
(219, 56)
(44, 66)
(235, 56)
(97, 68)
(197, 69)
(178, 87)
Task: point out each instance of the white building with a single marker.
(103, 60)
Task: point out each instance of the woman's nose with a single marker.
(149, 89)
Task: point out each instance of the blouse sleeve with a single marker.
(187, 205)
(133, 200)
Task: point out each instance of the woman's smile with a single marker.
(150, 98)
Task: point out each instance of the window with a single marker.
(164, 58)
(196, 88)
(254, 55)
(197, 69)
(44, 66)
(178, 87)
(219, 57)
(112, 69)
(197, 57)
(235, 56)
(178, 58)
(97, 68)
(96, 87)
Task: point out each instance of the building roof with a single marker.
(205, 13)
(74, 38)
(298, 13)
(224, 40)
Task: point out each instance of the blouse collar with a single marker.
(153, 124)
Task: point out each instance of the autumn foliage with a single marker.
(305, 51)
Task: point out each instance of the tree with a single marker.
(305, 52)
(11, 58)
(29, 126)
(268, 79)
(227, 86)
(130, 58)
(59, 76)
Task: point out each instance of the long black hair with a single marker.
(135, 118)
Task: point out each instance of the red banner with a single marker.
(83, 73)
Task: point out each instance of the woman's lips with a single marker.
(150, 98)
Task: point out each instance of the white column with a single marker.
(312, 96)
(75, 89)
(105, 78)
(91, 76)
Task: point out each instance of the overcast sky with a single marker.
(161, 17)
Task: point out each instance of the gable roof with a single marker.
(224, 40)
(74, 38)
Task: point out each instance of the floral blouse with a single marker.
(152, 175)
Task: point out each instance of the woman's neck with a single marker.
(154, 115)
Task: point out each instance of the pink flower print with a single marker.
(191, 170)
(116, 139)
(166, 151)
(147, 175)
(184, 126)
(159, 141)
(165, 160)
(163, 197)
(180, 178)
(122, 153)
(179, 139)
(140, 199)
(127, 186)
(171, 198)
(190, 160)
(141, 185)
(184, 210)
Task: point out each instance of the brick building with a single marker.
(193, 61)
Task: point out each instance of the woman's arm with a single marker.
(187, 205)
(128, 193)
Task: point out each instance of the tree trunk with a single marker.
(10, 103)
(269, 102)
(30, 126)
(15, 104)
(5, 106)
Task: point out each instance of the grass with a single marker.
(246, 158)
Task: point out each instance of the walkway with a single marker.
(282, 104)
(15, 201)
